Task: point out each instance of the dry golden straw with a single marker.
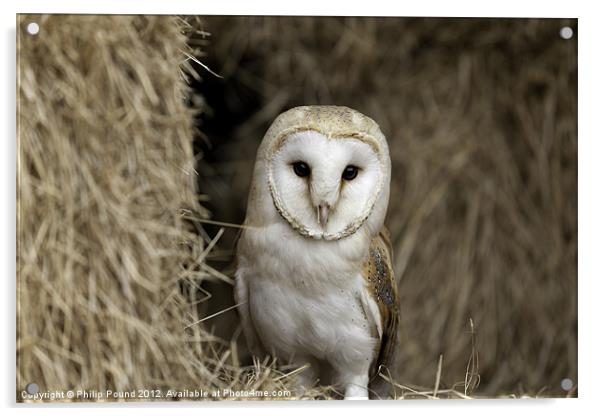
(108, 267)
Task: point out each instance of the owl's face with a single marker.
(325, 186)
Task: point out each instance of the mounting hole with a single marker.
(566, 384)
(566, 33)
(32, 388)
(33, 28)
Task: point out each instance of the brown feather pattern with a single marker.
(382, 286)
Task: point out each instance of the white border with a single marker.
(590, 176)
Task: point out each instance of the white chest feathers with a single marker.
(308, 304)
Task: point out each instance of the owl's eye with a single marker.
(350, 172)
(301, 169)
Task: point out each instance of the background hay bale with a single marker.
(105, 175)
(480, 115)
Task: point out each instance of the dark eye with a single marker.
(301, 169)
(350, 172)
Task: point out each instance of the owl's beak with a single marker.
(323, 215)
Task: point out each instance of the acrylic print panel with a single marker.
(407, 230)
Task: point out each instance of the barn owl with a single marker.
(314, 282)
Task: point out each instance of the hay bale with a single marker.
(480, 115)
(105, 172)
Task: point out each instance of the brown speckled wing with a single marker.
(381, 283)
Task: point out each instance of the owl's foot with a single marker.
(357, 388)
